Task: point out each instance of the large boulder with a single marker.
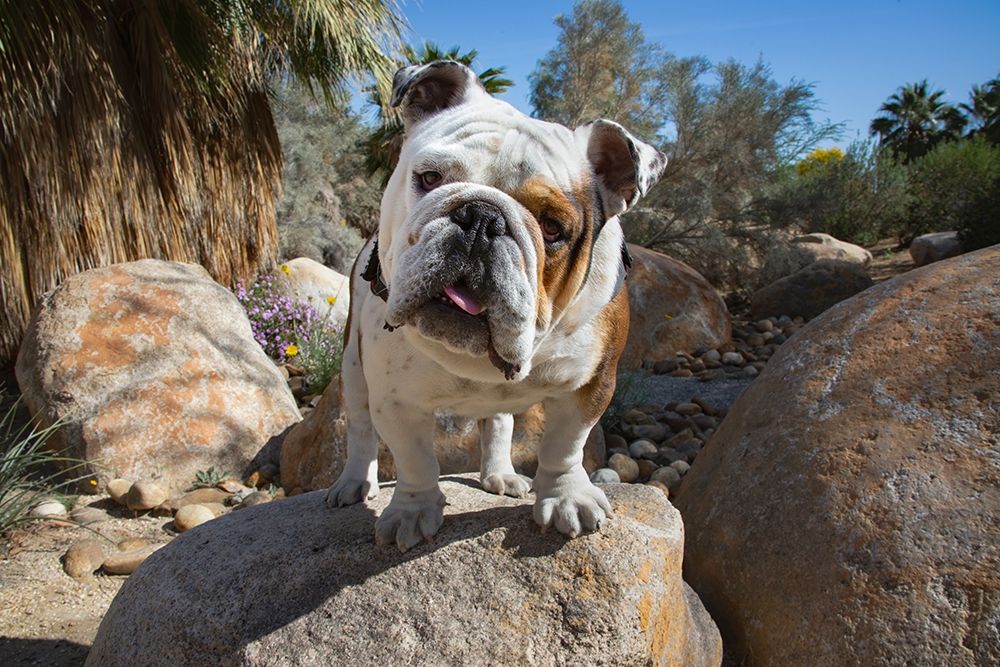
(324, 289)
(823, 246)
(847, 512)
(810, 290)
(314, 451)
(294, 583)
(672, 309)
(934, 247)
(153, 372)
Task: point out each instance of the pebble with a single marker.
(681, 437)
(145, 495)
(681, 466)
(668, 476)
(233, 486)
(750, 371)
(48, 509)
(764, 325)
(687, 409)
(646, 468)
(127, 562)
(83, 558)
(130, 543)
(615, 441)
(255, 498)
(625, 467)
(269, 471)
(682, 373)
(755, 340)
(732, 359)
(190, 516)
(704, 422)
(642, 449)
(634, 416)
(668, 455)
(605, 476)
(666, 366)
(85, 515)
(712, 357)
(654, 432)
(118, 489)
(198, 497)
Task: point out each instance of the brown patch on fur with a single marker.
(563, 269)
(594, 397)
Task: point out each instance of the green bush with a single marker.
(957, 187)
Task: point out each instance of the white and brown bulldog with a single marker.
(495, 283)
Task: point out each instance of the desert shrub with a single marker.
(859, 196)
(320, 239)
(290, 330)
(29, 471)
(957, 187)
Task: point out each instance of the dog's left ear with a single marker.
(426, 89)
(625, 167)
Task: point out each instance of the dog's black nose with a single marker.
(480, 218)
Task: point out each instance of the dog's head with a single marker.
(490, 219)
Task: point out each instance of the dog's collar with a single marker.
(376, 281)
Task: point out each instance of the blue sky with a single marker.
(857, 53)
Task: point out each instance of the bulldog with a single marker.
(494, 282)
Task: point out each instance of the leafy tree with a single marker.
(914, 120)
(382, 146)
(144, 129)
(984, 111)
(957, 187)
(602, 67)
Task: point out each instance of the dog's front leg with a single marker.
(416, 510)
(564, 495)
(496, 473)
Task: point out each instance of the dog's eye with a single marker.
(429, 180)
(552, 231)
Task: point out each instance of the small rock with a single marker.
(676, 423)
(131, 543)
(190, 516)
(646, 468)
(642, 449)
(712, 357)
(668, 455)
(283, 370)
(218, 509)
(615, 441)
(233, 486)
(49, 509)
(294, 371)
(127, 562)
(764, 325)
(269, 472)
(85, 515)
(626, 468)
(257, 498)
(687, 409)
(297, 385)
(705, 406)
(197, 497)
(778, 339)
(83, 558)
(689, 450)
(145, 495)
(118, 489)
(666, 366)
(704, 422)
(668, 476)
(681, 466)
(605, 476)
(697, 366)
(732, 359)
(682, 373)
(637, 417)
(255, 479)
(681, 437)
(659, 485)
(617, 450)
(654, 432)
(712, 374)
(750, 371)
(755, 340)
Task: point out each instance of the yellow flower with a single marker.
(291, 350)
(331, 300)
(93, 482)
(285, 269)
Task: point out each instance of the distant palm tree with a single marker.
(382, 146)
(914, 120)
(142, 128)
(984, 112)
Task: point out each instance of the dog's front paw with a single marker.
(410, 518)
(506, 484)
(351, 489)
(569, 502)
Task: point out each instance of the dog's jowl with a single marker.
(494, 282)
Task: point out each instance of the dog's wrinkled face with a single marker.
(490, 218)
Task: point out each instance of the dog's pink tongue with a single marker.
(464, 299)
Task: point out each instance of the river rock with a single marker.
(190, 516)
(153, 372)
(127, 562)
(847, 511)
(145, 495)
(83, 558)
(295, 583)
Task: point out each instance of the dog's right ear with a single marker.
(423, 90)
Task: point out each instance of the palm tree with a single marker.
(984, 112)
(142, 128)
(914, 120)
(382, 146)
